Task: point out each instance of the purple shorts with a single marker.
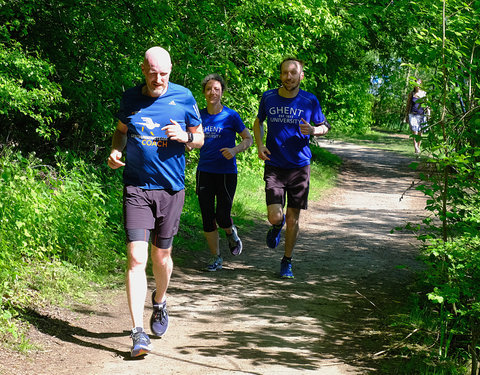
(157, 211)
(290, 183)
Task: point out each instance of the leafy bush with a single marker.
(451, 177)
(454, 274)
(58, 213)
(60, 227)
(27, 91)
(95, 53)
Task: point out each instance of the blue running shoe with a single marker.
(141, 343)
(159, 318)
(274, 234)
(286, 270)
(214, 264)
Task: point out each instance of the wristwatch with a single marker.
(190, 137)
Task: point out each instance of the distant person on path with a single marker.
(417, 113)
(293, 116)
(217, 169)
(157, 119)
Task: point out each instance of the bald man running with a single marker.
(157, 119)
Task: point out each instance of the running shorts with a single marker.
(292, 184)
(155, 211)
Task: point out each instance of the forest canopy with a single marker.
(64, 64)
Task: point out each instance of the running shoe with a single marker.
(141, 343)
(286, 269)
(214, 264)
(274, 234)
(159, 318)
(234, 242)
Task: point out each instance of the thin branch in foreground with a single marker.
(368, 300)
(412, 185)
(396, 345)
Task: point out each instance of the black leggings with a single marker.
(221, 186)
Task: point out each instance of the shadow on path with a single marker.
(351, 272)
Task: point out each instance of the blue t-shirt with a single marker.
(220, 131)
(152, 160)
(289, 148)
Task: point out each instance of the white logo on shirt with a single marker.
(172, 103)
(148, 122)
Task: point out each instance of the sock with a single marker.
(160, 303)
(287, 259)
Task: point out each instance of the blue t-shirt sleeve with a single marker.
(238, 124)
(262, 115)
(193, 118)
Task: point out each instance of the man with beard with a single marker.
(293, 116)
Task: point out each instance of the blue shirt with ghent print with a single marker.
(152, 160)
(220, 131)
(289, 148)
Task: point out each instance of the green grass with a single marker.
(324, 170)
(413, 331)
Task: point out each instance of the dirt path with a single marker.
(244, 319)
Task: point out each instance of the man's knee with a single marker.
(292, 217)
(275, 214)
(161, 257)
(137, 254)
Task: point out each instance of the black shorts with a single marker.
(292, 184)
(157, 211)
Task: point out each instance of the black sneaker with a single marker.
(234, 242)
(159, 318)
(141, 343)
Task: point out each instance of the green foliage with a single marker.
(60, 228)
(64, 64)
(446, 49)
(86, 53)
(445, 316)
(390, 91)
(345, 121)
(454, 271)
(57, 213)
(27, 92)
(419, 354)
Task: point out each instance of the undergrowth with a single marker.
(439, 331)
(60, 234)
(61, 231)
